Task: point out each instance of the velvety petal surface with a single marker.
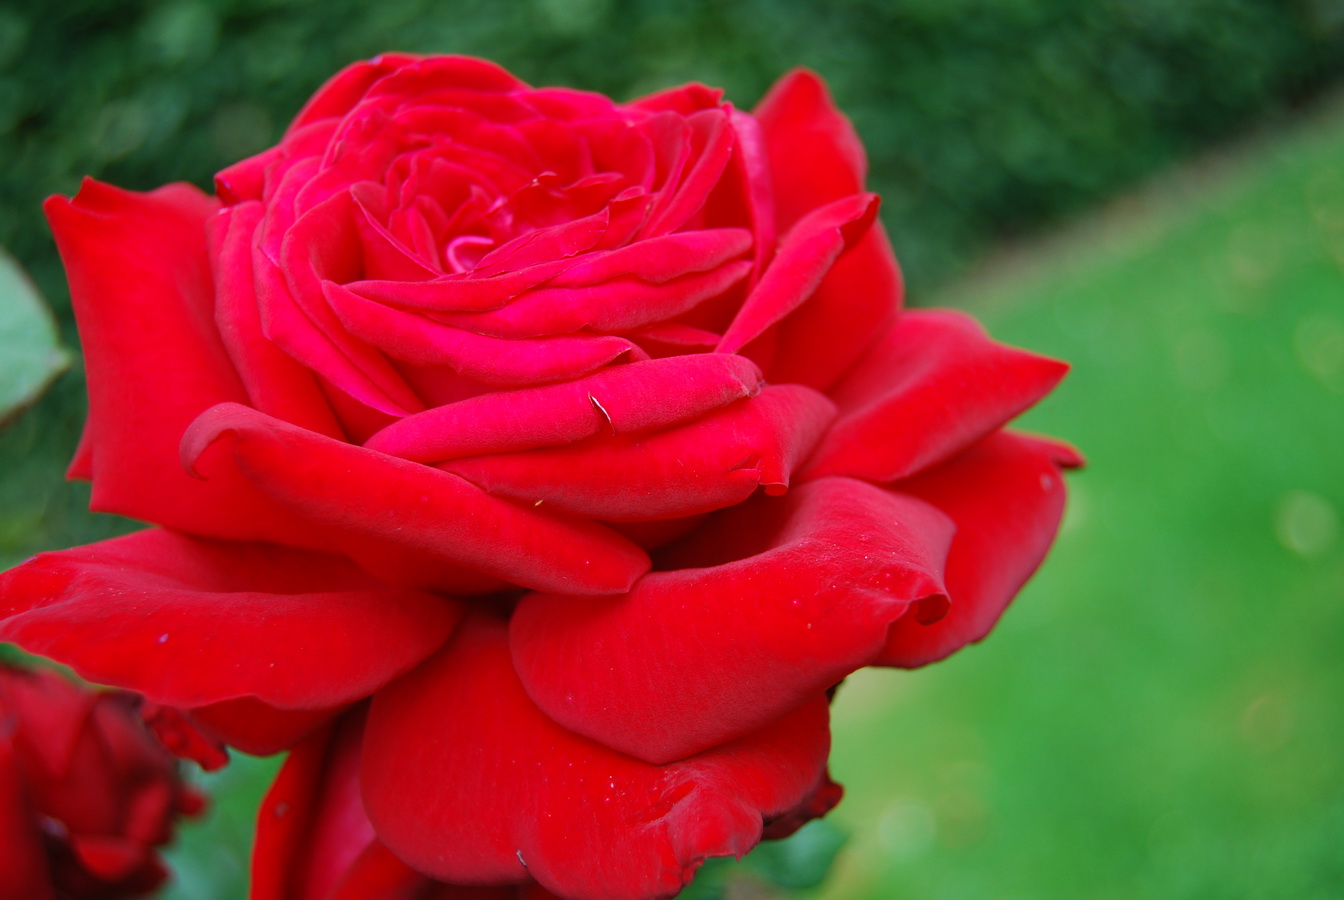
(311, 827)
(369, 501)
(640, 396)
(815, 154)
(276, 383)
(142, 289)
(524, 797)
(496, 361)
(805, 256)
(856, 303)
(190, 622)
(1006, 495)
(697, 656)
(708, 464)
(933, 385)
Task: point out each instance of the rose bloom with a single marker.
(86, 793)
(535, 465)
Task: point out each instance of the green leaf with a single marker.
(799, 861)
(31, 356)
(711, 882)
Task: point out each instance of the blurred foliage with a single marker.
(30, 357)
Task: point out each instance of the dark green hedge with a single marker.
(983, 118)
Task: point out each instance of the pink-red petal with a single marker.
(141, 285)
(276, 383)
(1006, 496)
(815, 155)
(806, 255)
(503, 362)
(311, 827)
(189, 622)
(854, 305)
(707, 464)
(932, 386)
(520, 796)
(368, 502)
(641, 396)
(697, 656)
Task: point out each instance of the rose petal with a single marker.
(314, 841)
(419, 76)
(520, 796)
(384, 255)
(276, 384)
(933, 385)
(709, 145)
(460, 291)
(344, 89)
(659, 259)
(691, 658)
(498, 361)
(708, 464)
(544, 245)
(806, 255)
(258, 728)
(684, 99)
(856, 303)
(816, 157)
(369, 501)
(324, 244)
(311, 826)
(189, 622)
(140, 283)
(752, 158)
(1006, 495)
(621, 304)
(640, 396)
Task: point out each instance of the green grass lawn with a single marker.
(1161, 714)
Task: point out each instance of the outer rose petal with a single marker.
(314, 841)
(931, 387)
(815, 158)
(1006, 495)
(311, 827)
(190, 622)
(815, 154)
(254, 727)
(692, 658)
(141, 286)
(370, 501)
(854, 304)
(517, 795)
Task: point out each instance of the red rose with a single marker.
(587, 439)
(86, 794)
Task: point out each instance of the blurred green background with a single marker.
(1153, 191)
